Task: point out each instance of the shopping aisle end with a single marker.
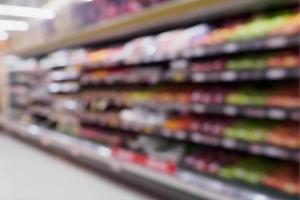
(28, 173)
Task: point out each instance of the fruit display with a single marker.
(217, 98)
(137, 75)
(174, 43)
(253, 170)
(249, 169)
(275, 60)
(155, 73)
(284, 134)
(286, 96)
(285, 177)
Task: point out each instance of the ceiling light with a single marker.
(29, 12)
(4, 35)
(13, 25)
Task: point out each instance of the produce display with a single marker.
(286, 96)
(283, 59)
(253, 170)
(175, 43)
(283, 134)
(184, 99)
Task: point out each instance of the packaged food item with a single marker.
(139, 50)
(284, 178)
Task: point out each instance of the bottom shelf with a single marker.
(184, 182)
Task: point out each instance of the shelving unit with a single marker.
(153, 18)
(102, 155)
(167, 91)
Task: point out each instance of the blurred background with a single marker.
(149, 99)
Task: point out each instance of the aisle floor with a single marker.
(26, 173)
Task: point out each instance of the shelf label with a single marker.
(229, 143)
(199, 108)
(276, 73)
(200, 51)
(179, 64)
(196, 137)
(180, 135)
(229, 76)
(231, 47)
(166, 133)
(255, 112)
(277, 114)
(255, 148)
(230, 110)
(272, 151)
(277, 42)
(199, 77)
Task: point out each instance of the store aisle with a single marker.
(27, 173)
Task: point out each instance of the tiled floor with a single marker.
(26, 173)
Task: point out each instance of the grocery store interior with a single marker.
(149, 99)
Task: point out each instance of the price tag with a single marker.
(277, 114)
(199, 77)
(180, 135)
(196, 137)
(199, 52)
(277, 42)
(229, 76)
(166, 133)
(229, 143)
(276, 73)
(231, 47)
(255, 112)
(272, 151)
(230, 110)
(255, 148)
(179, 64)
(199, 108)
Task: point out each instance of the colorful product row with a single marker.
(171, 44)
(286, 96)
(277, 133)
(284, 134)
(255, 61)
(255, 170)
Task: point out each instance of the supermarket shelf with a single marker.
(196, 77)
(97, 154)
(252, 45)
(157, 17)
(202, 138)
(269, 43)
(246, 75)
(259, 112)
(205, 180)
(249, 111)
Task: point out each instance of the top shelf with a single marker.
(158, 17)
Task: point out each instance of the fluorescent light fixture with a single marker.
(3, 35)
(28, 12)
(13, 25)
